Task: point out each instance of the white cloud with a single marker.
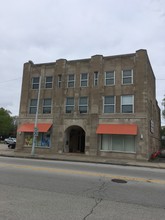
(46, 30)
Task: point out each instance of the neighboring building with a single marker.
(103, 106)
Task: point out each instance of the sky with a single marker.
(46, 30)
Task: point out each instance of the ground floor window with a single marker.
(43, 139)
(122, 143)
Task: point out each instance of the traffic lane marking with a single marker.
(85, 173)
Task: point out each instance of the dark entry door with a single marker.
(77, 140)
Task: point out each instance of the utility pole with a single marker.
(35, 133)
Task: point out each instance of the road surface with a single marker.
(53, 190)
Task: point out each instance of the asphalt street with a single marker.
(39, 190)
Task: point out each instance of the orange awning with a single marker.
(129, 129)
(29, 127)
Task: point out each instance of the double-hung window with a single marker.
(47, 105)
(127, 104)
(33, 106)
(109, 78)
(127, 76)
(84, 80)
(71, 80)
(69, 104)
(59, 80)
(83, 104)
(109, 104)
(35, 82)
(96, 78)
(48, 82)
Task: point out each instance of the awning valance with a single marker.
(127, 129)
(29, 127)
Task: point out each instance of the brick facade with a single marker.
(103, 91)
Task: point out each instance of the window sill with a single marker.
(113, 151)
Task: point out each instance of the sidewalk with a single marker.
(4, 151)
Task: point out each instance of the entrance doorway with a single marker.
(76, 139)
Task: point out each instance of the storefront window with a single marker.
(106, 142)
(43, 140)
(118, 143)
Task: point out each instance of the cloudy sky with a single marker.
(47, 30)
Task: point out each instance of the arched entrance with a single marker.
(75, 139)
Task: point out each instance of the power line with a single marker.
(10, 80)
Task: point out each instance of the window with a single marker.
(69, 104)
(106, 144)
(71, 80)
(120, 143)
(109, 78)
(109, 104)
(47, 106)
(127, 104)
(33, 106)
(35, 82)
(96, 77)
(59, 81)
(84, 80)
(117, 143)
(43, 139)
(127, 76)
(83, 105)
(48, 81)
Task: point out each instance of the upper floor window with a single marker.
(96, 78)
(47, 105)
(127, 104)
(69, 104)
(33, 106)
(83, 104)
(48, 81)
(35, 82)
(84, 79)
(71, 80)
(109, 78)
(59, 80)
(127, 76)
(109, 104)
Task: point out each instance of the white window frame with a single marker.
(71, 82)
(35, 85)
(84, 80)
(109, 104)
(83, 105)
(127, 77)
(47, 106)
(48, 84)
(96, 78)
(108, 144)
(59, 80)
(128, 103)
(33, 106)
(71, 106)
(109, 78)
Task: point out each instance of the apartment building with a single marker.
(104, 106)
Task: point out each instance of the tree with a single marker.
(162, 134)
(6, 122)
(163, 111)
(14, 128)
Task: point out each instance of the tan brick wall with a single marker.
(143, 89)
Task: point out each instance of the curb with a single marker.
(81, 160)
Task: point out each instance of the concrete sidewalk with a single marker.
(4, 151)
